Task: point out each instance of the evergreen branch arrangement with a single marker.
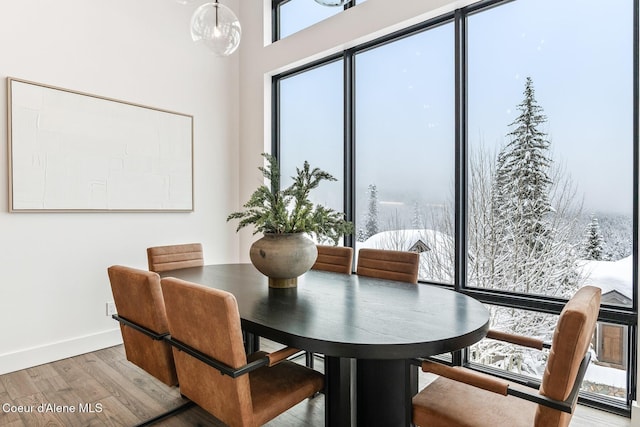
(271, 210)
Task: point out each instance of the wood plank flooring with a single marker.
(103, 389)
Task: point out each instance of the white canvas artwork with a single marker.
(71, 151)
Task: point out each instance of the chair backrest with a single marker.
(571, 340)
(387, 264)
(207, 320)
(337, 259)
(173, 257)
(138, 298)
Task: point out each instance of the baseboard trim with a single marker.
(635, 414)
(34, 356)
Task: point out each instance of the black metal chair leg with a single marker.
(309, 359)
(168, 414)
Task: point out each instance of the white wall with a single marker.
(53, 280)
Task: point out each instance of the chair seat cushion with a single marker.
(280, 387)
(472, 407)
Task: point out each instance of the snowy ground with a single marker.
(608, 376)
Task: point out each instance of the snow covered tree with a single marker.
(593, 241)
(522, 176)
(482, 242)
(524, 233)
(416, 220)
(371, 221)
(520, 200)
(616, 231)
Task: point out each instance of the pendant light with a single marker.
(332, 2)
(217, 27)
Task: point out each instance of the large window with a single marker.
(550, 114)
(515, 177)
(551, 149)
(291, 16)
(404, 134)
(311, 116)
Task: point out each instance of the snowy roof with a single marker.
(419, 247)
(404, 240)
(610, 275)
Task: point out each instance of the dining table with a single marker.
(368, 330)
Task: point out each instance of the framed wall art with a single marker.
(72, 151)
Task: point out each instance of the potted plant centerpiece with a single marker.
(287, 218)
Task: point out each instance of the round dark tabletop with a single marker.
(348, 315)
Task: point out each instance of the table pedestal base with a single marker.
(380, 395)
(337, 400)
(383, 392)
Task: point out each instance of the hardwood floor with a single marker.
(103, 389)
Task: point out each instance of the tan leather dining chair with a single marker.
(138, 298)
(172, 257)
(143, 324)
(461, 397)
(206, 323)
(387, 264)
(337, 259)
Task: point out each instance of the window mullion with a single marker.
(349, 141)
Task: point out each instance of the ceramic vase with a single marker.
(282, 257)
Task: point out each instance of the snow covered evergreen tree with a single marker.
(523, 218)
(593, 241)
(522, 176)
(371, 222)
(520, 204)
(416, 219)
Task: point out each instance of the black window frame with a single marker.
(275, 15)
(626, 316)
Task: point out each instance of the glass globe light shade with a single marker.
(217, 27)
(332, 2)
(184, 1)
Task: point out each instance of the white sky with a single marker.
(578, 53)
